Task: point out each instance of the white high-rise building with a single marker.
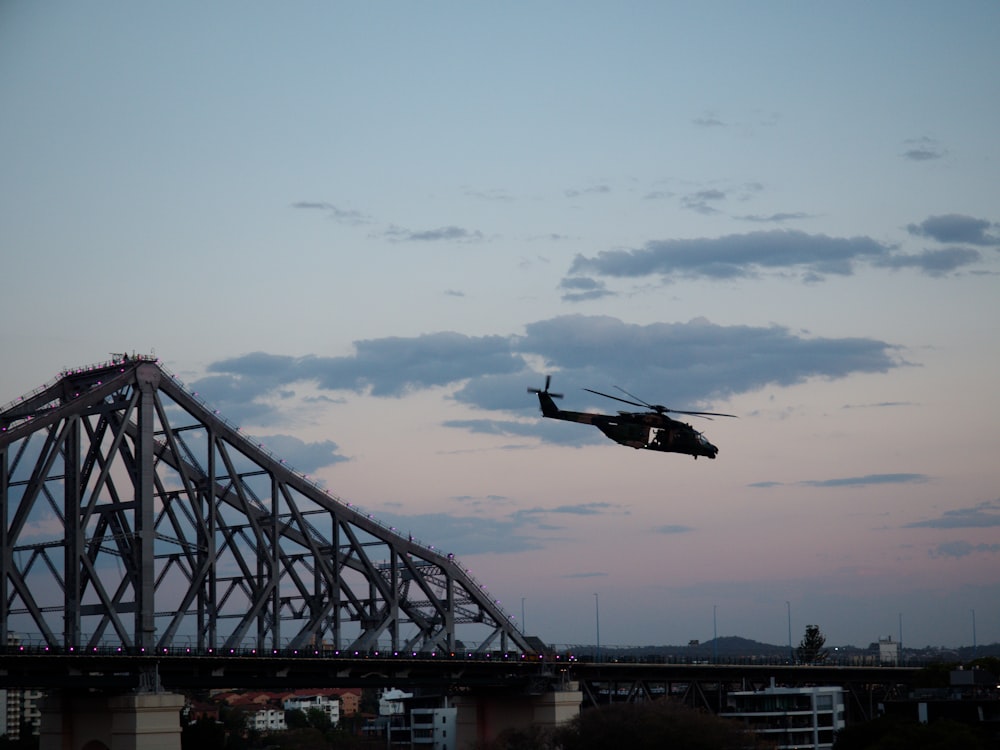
(433, 728)
(792, 718)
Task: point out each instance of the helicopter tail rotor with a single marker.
(548, 380)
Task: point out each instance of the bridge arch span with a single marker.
(135, 516)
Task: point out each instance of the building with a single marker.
(329, 706)
(350, 700)
(19, 708)
(791, 718)
(422, 727)
(972, 697)
(888, 652)
(433, 728)
(391, 702)
(268, 719)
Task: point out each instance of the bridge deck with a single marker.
(191, 671)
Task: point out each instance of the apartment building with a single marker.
(792, 718)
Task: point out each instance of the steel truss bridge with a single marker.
(135, 517)
(703, 686)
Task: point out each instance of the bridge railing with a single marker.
(74, 371)
(37, 646)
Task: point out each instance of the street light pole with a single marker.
(523, 625)
(974, 649)
(597, 620)
(791, 654)
(899, 661)
(715, 637)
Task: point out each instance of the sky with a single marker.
(363, 230)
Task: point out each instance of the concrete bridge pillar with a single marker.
(481, 718)
(95, 721)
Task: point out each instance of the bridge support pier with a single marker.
(481, 718)
(94, 721)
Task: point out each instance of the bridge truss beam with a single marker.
(132, 513)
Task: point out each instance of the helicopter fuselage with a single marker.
(641, 430)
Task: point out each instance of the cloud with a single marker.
(341, 215)
(583, 288)
(692, 362)
(584, 509)
(47, 526)
(868, 479)
(441, 234)
(596, 190)
(737, 256)
(878, 405)
(923, 149)
(957, 228)
(547, 430)
(933, 262)
(390, 366)
(862, 481)
(494, 194)
(686, 365)
(984, 515)
(709, 120)
(395, 233)
(673, 529)
(476, 533)
(963, 549)
(775, 218)
(701, 201)
(467, 534)
(531, 515)
(303, 456)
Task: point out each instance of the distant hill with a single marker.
(735, 647)
(724, 647)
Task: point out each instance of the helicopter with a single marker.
(651, 430)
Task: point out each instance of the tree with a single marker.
(810, 650)
(892, 733)
(319, 719)
(204, 732)
(296, 718)
(634, 726)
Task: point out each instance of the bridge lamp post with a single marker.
(791, 654)
(523, 625)
(899, 661)
(597, 620)
(974, 645)
(715, 636)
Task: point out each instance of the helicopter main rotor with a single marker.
(658, 408)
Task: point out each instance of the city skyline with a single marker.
(363, 232)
